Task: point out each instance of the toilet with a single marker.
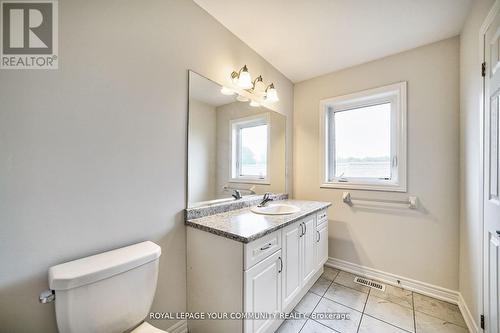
(111, 292)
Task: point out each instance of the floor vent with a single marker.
(369, 283)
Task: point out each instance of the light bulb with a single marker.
(245, 80)
(254, 103)
(272, 94)
(226, 91)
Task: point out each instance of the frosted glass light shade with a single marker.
(272, 95)
(240, 98)
(245, 80)
(227, 91)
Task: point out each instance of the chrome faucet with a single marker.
(237, 195)
(265, 200)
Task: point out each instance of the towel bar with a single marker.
(412, 201)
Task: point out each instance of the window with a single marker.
(250, 149)
(363, 138)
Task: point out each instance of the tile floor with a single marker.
(371, 311)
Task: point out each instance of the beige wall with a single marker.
(470, 190)
(93, 155)
(421, 244)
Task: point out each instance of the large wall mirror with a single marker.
(231, 146)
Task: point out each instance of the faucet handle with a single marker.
(237, 194)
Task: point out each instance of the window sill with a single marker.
(250, 181)
(366, 186)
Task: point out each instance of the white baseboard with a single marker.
(469, 319)
(423, 288)
(178, 327)
(395, 280)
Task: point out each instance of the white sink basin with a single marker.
(276, 209)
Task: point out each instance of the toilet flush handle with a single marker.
(47, 296)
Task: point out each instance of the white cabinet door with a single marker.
(321, 245)
(308, 248)
(291, 275)
(262, 285)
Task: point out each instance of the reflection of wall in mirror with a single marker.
(202, 151)
(237, 110)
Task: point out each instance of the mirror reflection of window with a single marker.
(253, 152)
(250, 142)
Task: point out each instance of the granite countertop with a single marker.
(245, 226)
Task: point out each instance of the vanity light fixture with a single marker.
(257, 80)
(227, 91)
(258, 92)
(242, 78)
(254, 103)
(271, 93)
(244, 81)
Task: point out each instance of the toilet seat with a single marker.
(147, 328)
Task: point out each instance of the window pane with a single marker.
(254, 151)
(363, 142)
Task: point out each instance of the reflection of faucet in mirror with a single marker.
(237, 195)
(265, 200)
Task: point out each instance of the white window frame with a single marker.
(235, 165)
(394, 94)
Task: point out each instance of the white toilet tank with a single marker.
(109, 292)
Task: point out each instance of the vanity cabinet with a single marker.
(262, 290)
(299, 261)
(261, 248)
(292, 247)
(321, 247)
(308, 250)
(268, 275)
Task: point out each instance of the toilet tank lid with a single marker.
(91, 269)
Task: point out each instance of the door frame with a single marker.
(482, 56)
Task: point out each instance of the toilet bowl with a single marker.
(110, 292)
(147, 328)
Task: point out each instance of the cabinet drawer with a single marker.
(321, 218)
(261, 248)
